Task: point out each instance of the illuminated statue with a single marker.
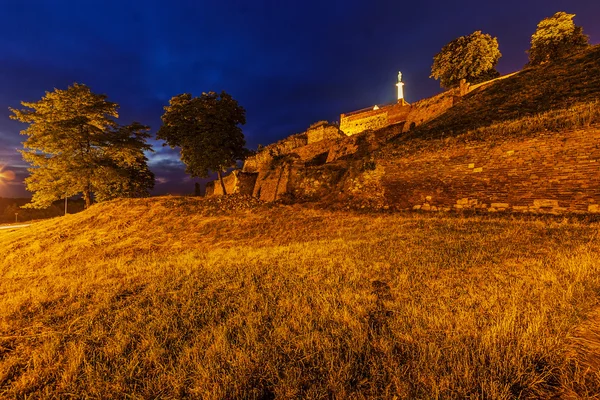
(400, 85)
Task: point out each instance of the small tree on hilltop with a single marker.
(554, 38)
(207, 131)
(75, 147)
(472, 57)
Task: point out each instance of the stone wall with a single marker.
(236, 182)
(428, 109)
(272, 180)
(272, 183)
(323, 131)
(263, 158)
(547, 172)
(370, 119)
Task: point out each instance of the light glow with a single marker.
(6, 175)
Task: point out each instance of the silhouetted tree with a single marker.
(556, 37)
(75, 147)
(472, 57)
(207, 131)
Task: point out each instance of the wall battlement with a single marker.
(374, 118)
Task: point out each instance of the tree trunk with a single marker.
(87, 196)
(222, 183)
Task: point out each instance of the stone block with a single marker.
(500, 205)
(594, 208)
(545, 203)
(520, 208)
(471, 165)
(462, 201)
(480, 169)
(417, 207)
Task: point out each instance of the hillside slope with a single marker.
(554, 86)
(524, 143)
(229, 298)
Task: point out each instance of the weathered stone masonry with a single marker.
(547, 172)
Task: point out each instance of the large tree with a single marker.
(555, 37)
(75, 147)
(472, 57)
(207, 130)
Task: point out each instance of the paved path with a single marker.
(14, 226)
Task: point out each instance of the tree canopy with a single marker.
(207, 131)
(555, 37)
(75, 147)
(472, 57)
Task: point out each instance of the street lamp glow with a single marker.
(6, 175)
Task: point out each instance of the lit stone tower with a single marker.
(400, 85)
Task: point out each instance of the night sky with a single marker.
(289, 63)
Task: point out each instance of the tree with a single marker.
(125, 172)
(207, 131)
(472, 57)
(75, 147)
(555, 37)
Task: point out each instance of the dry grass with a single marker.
(578, 116)
(169, 297)
(531, 94)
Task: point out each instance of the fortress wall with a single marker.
(357, 122)
(352, 124)
(324, 132)
(312, 150)
(263, 158)
(398, 113)
(272, 183)
(236, 182)
(544, 173)
(364, 142)
(230, 182)
(428, 109)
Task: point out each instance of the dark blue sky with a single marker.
(289, 63)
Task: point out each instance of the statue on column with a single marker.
(399, 76)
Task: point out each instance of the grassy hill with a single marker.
(533, 93)
(229, 298)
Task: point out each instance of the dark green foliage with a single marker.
(555, 38)
(207, 131)
(472, 57)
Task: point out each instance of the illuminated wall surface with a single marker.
(547, 172)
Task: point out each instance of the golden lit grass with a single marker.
(164, 298)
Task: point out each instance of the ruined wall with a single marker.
(428, 109)
(272, 180)
(363, 143)
(324, 131)
(546, 172)
(369, 119)
(236, 182)
(264, 157)
(272, 183)
(351, 124)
